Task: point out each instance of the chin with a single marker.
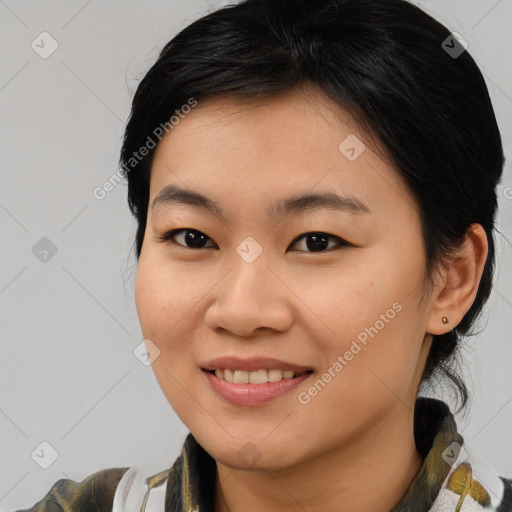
(250, 452)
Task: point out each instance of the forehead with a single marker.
(306, 109)
(293, 141)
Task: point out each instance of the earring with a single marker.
(445, 320)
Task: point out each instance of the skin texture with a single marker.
(295, 304)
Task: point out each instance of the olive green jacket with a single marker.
(448, 480)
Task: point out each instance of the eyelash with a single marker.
(168, 238)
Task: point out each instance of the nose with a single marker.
(250, 300)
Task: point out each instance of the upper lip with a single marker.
(252, 364)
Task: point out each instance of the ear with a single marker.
(458, 282)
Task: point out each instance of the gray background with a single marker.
(68, 375)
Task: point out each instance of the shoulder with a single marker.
(138, 491)
(471, 487)
(506, 500)
(96, 492)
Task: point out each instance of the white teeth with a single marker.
(275, 375)
(256, 377)
(241, 377)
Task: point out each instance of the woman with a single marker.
(314, 183)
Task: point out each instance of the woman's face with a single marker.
(328, 286)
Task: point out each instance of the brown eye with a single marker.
(319, 242)
(195, 239)
(191, 238)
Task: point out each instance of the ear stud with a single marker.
(445, 320)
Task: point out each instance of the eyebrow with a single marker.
(173, 194)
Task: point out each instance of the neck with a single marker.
(372, 473)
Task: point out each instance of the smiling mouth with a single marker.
(262, 376)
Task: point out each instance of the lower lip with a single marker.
(253, 394)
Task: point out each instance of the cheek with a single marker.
(160, 297)
(168, 297)
(165, 309)
(371, 319)
(347, 299)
